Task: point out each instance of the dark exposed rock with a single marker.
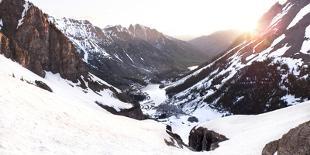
(192, 119)
(295, 142)
(175, 140)
(202, 139)
(35, 43)
(134, 112)
(271, 148)
(42, 85)
(169, 128)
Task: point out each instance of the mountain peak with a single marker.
(146, 33)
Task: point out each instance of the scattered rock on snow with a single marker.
(202, 139)
(42, 85)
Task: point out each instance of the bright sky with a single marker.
(172, 17)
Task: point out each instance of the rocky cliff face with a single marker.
(125, 56)
(29, 38)
(261, 72)
(295, 142)
(35, 43)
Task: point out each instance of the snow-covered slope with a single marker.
(249, 134)
(35, 121)
(262, 72)
(64, 88)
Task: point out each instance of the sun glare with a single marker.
(248, 26)
(282, 1)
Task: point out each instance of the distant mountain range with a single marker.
(125, 56)
(215, 43)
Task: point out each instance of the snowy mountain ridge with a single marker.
(271, 62)
(132, 55)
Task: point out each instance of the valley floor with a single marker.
(35, 121)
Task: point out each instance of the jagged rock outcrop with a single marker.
(135, 112)
(35, 43)
(295, 142)
(202, 139)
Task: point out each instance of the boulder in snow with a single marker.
(202, 139)
(295, 142)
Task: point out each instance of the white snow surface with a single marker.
(193, 68)
(291, 99)
(1, 22)
(306, 44)
(64, 88)
(249, 134)
(304, 11)
(26, 6)
(35, 121)
(182, 126)
(157, 95)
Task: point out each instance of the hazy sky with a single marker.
(173, 17)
